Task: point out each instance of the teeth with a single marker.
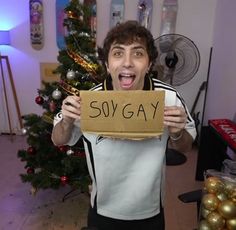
(126, 75)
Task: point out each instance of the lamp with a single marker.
(4, 37)
(5, 40)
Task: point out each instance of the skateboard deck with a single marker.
(145, 13)
(36, 24)
(60, 29)
(117, 12)
(92, 5)
(168, 16)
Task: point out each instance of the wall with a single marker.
(221, 93)
(195, 20)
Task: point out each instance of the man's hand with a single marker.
(71, 109)
(175, 119)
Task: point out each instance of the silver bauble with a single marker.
(56, 94)
(70, 75)
(24, 131)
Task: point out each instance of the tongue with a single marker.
(126, 81)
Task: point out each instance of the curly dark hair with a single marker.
(127, 33)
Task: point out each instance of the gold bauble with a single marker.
(213, 185)
(222, 196)
(230, 186)
(231, 224)
(210, 202)
(232, 195)
(204, 212)
(227, 209)
(215, 220)
(204, 225)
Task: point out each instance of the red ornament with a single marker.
(39, 100)
(81, 154)
(64, 180)
(52, 106)
(30, 171)
(31, 150)
(63, 148)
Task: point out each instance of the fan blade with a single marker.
(178, 59)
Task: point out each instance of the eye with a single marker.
(139, 53)
(117, 53)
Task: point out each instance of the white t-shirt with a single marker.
(128, 175)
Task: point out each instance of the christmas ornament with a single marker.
(69, 152)
(210, 201)
(24, 131)
(204, 225)
(73, 15)
(39, 100)
(56, 94)
(86, 64)
(215, 220)
(227, 209)
(233, 196)
(204, 212)
(64, 180)
(70, 75)
(213, 185)
(63, 148)
(30, 171)
(52, 106)
(68, 88)
(231, 224)
(31, 150)
(230, 187)
(84, 34)
(222, 196)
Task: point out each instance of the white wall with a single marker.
(221, 93)
(195, 20)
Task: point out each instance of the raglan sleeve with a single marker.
(190, 124)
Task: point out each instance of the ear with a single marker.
(149, 67)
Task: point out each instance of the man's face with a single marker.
(128, 65)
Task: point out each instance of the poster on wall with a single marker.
(145, 13)
(168, 16)
(60, 29)
(36, 24)
(117, 12)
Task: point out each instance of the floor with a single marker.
(20, 210)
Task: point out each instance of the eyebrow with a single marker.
(133, 48)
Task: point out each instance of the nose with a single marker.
(128, 61)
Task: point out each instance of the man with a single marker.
(128, 175)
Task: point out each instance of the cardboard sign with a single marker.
(123, 114)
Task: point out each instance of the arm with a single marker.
(175, 118)
(62, 131)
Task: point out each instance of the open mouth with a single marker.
(126, 80)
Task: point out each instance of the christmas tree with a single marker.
(46, 165)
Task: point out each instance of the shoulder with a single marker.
(160, 85)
